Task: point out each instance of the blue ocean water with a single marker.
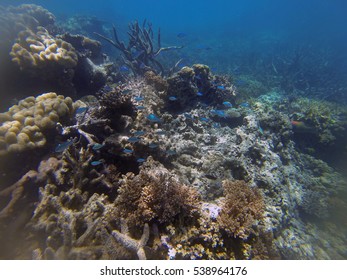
(228, 29)
(250, 95)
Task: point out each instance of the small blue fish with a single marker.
(107, 88)
(139, 98)
(63, 146)
(171, 152)
(133, 139)
(216, 125)
(203, 47)
(126, 91)
(260, 130)
(153, 145)
(128, 151)
(96, 162)
(97, 146)
(181, 35)
(172, 98)
(188, 116)
(199, 93)
(219, 113)
(140, 107)
(244, 104)
(123, 68)
(221, 87)
(141, 160)
(139, 133)
(203, 119)
(153, 118)
(161, 132)
(81, 110)
(240, 83)
(198, 77)
(137, 54)
(227, 104)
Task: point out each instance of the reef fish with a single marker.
(96, 162)
(133, 139)
(128, 151)
(139, 133)
(227, 104)
(199, 93)
(161, 132)
(139, 98)
(124, 68)
(153, 118)
(299, 126)
(244, 104)
(63, 146)
(219, 113)
(188, 116)
(203, 119)
(221, 87)
(172, 98)
(216, 125)
(141, 160)
(140, 107)
(171, 152)
(153, 145)
(126, 91)
(81, 110)
(97, 147)
(181, 35)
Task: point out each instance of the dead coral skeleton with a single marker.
(132, 244)
(141, 40)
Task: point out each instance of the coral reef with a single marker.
(187, 166)
(24, 125)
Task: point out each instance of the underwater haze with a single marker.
(176, 129)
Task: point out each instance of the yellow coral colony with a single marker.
(22, 127)
(41, 50)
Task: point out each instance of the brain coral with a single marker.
(40, 50)
(22, 127)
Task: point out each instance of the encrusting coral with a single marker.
(23, 125)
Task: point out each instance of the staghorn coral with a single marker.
(154, 195)
(40, 51)
(241, 207)
(24, 125)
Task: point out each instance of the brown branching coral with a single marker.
(154, 195)
(156, 81)
(241, 207)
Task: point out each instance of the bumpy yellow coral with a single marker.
(22, 127)
(40, 50)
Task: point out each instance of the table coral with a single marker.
(23, 125)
